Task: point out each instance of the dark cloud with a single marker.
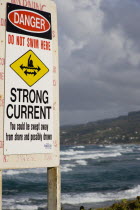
(99, 44)
(124, 14)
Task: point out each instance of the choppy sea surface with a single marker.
(92, 176)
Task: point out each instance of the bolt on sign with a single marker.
(31, 107)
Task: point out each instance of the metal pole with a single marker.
(54, 188)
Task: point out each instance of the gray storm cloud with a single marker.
(99, 59)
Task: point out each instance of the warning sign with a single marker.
(28, 112)
(29, 67)
(23, 20)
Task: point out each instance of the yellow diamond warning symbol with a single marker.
(29, 67)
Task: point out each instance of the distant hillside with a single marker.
(124, 129)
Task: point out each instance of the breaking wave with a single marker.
(100, 197)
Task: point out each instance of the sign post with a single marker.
(0, 189)
(54, 188)
(29, 90)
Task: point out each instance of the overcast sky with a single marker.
(99, 47)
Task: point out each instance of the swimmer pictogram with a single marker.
(29, 67)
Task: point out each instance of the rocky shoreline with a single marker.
(121, 205)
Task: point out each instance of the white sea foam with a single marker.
(23, 207)
(71, 152)
(10, 172)
(78, 147)
(120, 148)
(108, 151)
(11, 204)
(67, 167)
(113, 146)
(91, 156)
(81, 162)
(8, 201)
(24, 171)
(82, 198)
(99, 197)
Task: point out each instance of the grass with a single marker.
(122, 205)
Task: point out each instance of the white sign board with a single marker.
(28, 120)
(30, 96)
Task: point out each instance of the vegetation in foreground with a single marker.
(122, 205)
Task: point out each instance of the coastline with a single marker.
(124, 204)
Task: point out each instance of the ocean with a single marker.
(92, 176)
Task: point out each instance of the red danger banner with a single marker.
(23, 20)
